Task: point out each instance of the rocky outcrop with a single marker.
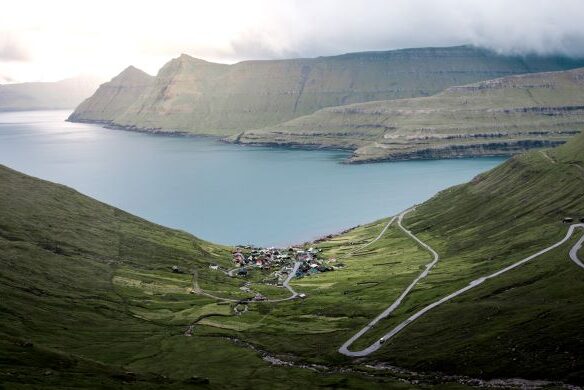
(489, 149)
(495, 117)
(201, 97)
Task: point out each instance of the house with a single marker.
(176, 269)
(242, 272)
(259, 297)
(214, 266)
(568, 220)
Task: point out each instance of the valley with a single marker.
(113, 269)
(274, 195)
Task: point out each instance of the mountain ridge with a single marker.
(62, 94)
(216, 99)
(501, 116)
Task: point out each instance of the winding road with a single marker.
(345, 347)
(349, 254)
(376, 345)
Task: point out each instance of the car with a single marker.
(382, 340)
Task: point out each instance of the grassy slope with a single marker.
(114, 97)
(191, 95)
(87, 294)
(526, 323)
(501, 116)
(90, 285)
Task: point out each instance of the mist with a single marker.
(53, 40)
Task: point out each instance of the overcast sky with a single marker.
(50, 40)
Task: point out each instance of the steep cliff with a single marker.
(497, 117)
(191, 95)
(114, 97)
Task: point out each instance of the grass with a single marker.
(89, 300)
(498, 117)
(198, 97)
(88, 292)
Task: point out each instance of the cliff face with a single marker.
(114, 97)
(196, 96)
(496, 117)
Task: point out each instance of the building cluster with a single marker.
(311, 260)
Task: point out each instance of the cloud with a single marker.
(11, 50)
(60, 41)
(5, 79)
(324, 27)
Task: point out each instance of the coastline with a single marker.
(453, 152)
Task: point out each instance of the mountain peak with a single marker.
(132, 70)
(185, 58)
(131, 75)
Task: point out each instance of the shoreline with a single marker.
(349, 160)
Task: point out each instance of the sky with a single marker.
(52, 40)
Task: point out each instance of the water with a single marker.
(223, 193)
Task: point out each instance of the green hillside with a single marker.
(89, 297)
(525, 323)
(195, 96)
(89, 301)
(497, 117)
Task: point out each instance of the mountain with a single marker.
(113, 98)
(496, 117)
(195, 96)
(62, 94)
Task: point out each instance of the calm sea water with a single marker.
(223, 193)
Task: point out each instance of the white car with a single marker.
(382, 340)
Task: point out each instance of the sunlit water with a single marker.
(223, 193)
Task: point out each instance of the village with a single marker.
(270, 258)
(278, 264)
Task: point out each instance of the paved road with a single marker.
(372, 241)
(575, 249)
(375, 346)
(293, 293)
(344, 349)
